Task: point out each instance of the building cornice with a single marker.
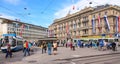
(79, 13)
(110, 7)
(74, 14)
(12, 21)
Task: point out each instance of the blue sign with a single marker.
(9, 34)
(103, 34)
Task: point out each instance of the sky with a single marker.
(44, 12)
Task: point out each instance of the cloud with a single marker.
(46, 25)
(14, 2)
(82, 4)
(2, 15)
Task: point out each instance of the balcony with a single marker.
(85, 27)
(86, 20)
(85, 34)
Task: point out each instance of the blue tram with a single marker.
(15, 42)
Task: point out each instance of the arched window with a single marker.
(105, 12)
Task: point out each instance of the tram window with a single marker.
(116, 40)
(19, 43)
(111, 40)
(106, 40)
(14, 42)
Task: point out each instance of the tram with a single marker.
(15, 42)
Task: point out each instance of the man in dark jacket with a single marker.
(113, 46)
(9, 52)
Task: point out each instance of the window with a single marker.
(74, 26)
(99, 14)
(74, 32)
(79, 32)
(116, 12)
(93, 16)
(59, 28)
(105, 12)
(113, 12)
(79, 24)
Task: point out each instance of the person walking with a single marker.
(24, 46)
(27, 49)
(9, 51)
(66, 44)
(49, 45)
(44, 47)
(71, 45)
(113, 46)
(74, 44)
(54, 47)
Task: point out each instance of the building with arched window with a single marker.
(91, 22)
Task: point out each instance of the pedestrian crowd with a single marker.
(49, 46)
(101, 44)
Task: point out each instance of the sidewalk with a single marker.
(63, 53)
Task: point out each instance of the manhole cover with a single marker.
(33, 61)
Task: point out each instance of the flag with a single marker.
(48, 31)
(99, 24)
(107, 23)
(119, 24)
(67, 28)
(73, 7)
(22, 29)
(116, 24)
(93, 25)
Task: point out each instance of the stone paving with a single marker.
(63, 53)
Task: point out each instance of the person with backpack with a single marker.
(27, 49)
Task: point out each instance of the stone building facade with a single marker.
(79, 25)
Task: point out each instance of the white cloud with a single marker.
(82, 4)
(14, 2)
(2, 15)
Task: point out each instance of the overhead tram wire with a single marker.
(13, 12)
(47, 6)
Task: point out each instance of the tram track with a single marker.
(91, 59)
(97, 60)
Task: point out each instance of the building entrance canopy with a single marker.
(9, 35)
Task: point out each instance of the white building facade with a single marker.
(24, 30)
